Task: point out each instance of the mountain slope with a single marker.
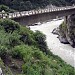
(33, 4)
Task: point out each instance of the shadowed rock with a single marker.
(67, 31)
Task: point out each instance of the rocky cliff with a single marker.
(67, 31)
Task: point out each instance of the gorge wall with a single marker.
(66, 31)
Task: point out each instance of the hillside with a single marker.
(33, 4)
(24, 52)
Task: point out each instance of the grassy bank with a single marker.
(24, 52)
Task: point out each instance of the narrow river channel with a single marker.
(65, 51)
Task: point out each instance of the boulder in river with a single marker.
(55, 31)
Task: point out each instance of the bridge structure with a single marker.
(40, 15)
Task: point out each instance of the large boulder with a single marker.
(63, 40)
(55, 31)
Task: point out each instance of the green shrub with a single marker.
(22, 51)
(7, 41)
(14, 39)
(9, 25)
(4, 38)
(5, 8)
(40, 39)
(3, 51)
(63, 29)
(34, 59)
(31, 69)
(27, 36)
(37, 63)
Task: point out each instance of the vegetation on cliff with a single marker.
(25, 52)
(67, 30)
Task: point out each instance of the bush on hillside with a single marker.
(5, 8)
(19, 44)
(27, 36)
(40, 39)
(9, 25)
(36, 62)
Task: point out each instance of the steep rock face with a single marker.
(67, 31)
(71, 30)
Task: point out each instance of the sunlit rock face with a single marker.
(67, 31)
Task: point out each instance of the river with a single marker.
(65, 51)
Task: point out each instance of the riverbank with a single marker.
(24, 52)
(65, 51)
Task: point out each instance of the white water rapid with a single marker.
(65, 51)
